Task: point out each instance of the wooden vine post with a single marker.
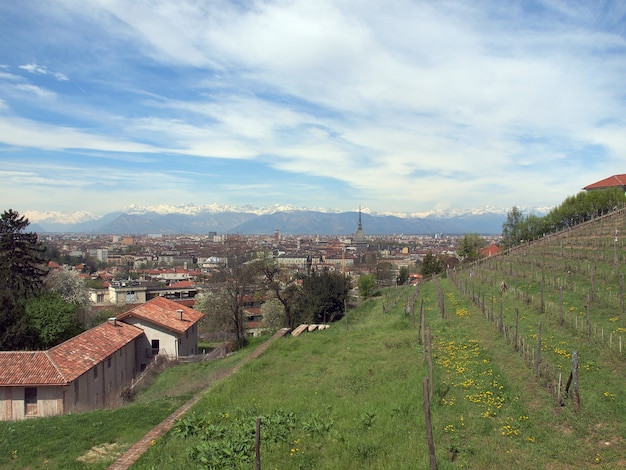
(422, 332)
(588, 320)
(257, 445)
(538, 359)
(561, 304)
(515, 342)
(572, 381)
(429, 427)
(430, 363)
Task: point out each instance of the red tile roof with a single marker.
(164, 312)
(67, 361)
(77, 355)
(24, 368)
(610, 182)
(181, 285)
(491, 250)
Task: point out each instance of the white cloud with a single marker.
(35, 90)
(449, 101)
(27, 133)
(43, 70)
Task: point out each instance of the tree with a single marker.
(273, 314)
(470, 245)
(403, 275)
(431, 264)
(213, 303)
(241, 277)
(281, 284)
(512, 228)
(367, 285)
(324, 297)
(22, 269)
(22, 266)
(52, 319)
(384, 272)
(71, 287)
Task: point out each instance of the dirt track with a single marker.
(131, 455)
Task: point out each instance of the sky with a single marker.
(404, 106)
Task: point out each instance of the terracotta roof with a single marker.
(181, 284)
(164, 312)
(610, 182)
(24, 368)
(77, 355)
(491, 250)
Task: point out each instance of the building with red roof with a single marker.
(615, 181)
(91, 370)
(171, 328)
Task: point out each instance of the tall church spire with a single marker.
(359, 236)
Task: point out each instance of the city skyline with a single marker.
(403, 106)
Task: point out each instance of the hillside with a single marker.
(352, 396)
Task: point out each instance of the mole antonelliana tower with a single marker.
(359, 236)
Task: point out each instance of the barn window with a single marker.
(30, 401)
(109, 361)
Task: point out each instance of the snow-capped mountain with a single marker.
(193, 209)
(60, 217)
(198, 219)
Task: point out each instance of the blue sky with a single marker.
(398, 106)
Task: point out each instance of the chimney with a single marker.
(180, 314)
(113, 321)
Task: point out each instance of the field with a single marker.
(352, 396)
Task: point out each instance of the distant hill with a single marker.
(292, 222)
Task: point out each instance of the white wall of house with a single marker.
(127, 295)
(167, 340)
(188, 344)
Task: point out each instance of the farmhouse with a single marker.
(170, 329)
(90, 370)
(615, 181)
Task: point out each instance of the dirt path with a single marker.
(131, 455)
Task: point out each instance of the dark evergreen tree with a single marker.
(323, 297)
(469, 246)
(431, 264)
(403, 275)
(22, 265)
(22, 269)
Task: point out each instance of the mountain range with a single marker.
(249, 221)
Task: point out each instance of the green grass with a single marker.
(354, 400)
(57, 442)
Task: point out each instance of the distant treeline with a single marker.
(573, 210)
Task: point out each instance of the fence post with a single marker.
(430, 363)
(429, 427)
(257, 445)
(538, 361)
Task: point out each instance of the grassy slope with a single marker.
(57, 442)
(489, 410)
